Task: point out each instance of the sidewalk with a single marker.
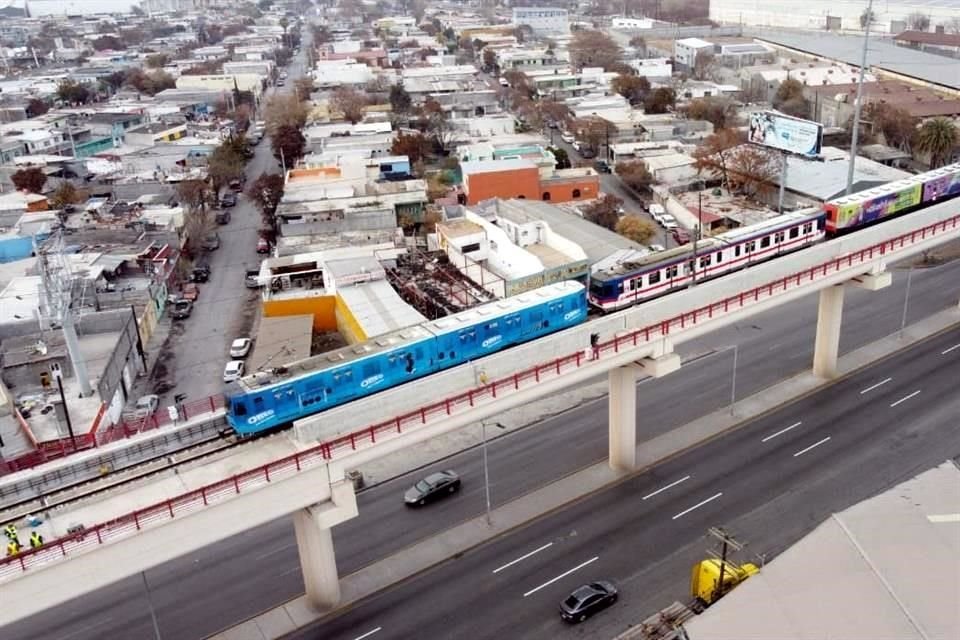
(430, 552)
(155, 348)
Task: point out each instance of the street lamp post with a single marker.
(733, 379)
(486, 468)
(698, 234)
(906, 301)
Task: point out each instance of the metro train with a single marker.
(272, 398)
(654, 275)
(269, 399)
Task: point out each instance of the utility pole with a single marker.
(856, 108)
(727, 542)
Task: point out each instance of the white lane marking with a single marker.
(561, 576)
(697, 506)
(84, 629)
(905, 398)
(813, 446)
(953, 348)
(669, 486)
(946, 517)
(272, 551)
(782, 431)
(874, 386)
(368, 634)
(523, 557)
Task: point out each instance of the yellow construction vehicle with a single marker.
(712, 578)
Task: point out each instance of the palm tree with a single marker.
(938, 137)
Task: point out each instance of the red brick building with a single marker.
(521, 179)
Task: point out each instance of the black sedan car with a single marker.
(587, 600)
(435, 485)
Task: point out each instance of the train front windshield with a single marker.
(604, 290)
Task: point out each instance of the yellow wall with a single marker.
(347, 323)
(322, 308)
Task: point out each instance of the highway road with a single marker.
(220, 585)
(769, 483)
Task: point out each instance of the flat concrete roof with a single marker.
(378, 309)
(885, 568)
(281, 340)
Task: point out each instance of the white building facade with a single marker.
(890, 17)
(542, 20)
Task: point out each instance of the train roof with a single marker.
(497, 308)
(704, 245)
(359, 351)
(897, 185)
(409, 335)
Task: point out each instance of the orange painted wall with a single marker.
(322, 308)
(562, 191)
(511, 183)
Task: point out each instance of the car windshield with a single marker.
(423, 485)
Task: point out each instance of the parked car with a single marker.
(567, 137)
(657, 212)
(576, 145)
(588, 153)
(587, 600)
(240, 347)
(182, 309)
(228, 199)
(263, 245)
(252, 279)
(236, 185)
(233, 371)
(223, 216)
(435, 485)
(200, 272)
(146, 406)
(211, 242)
(668, 221)
(682, 236)
(504, 82)
(281, 82)
(602, 167)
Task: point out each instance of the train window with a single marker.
(258, 403)
(654, 277)
(808, 227)
(453, 354)
(794, 232)
(704, 262)
(440, 355)
(239, 409)
(671, 272)
(750, 246)
(778, 237)
(719, 256)
(764, 242)
(736, 251)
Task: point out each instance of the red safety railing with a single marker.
(56, 449)
(253, 479)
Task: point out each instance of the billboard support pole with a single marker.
(859, 100)
(783, 180)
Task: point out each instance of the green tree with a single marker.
(635, 228)
(31, 179)
(604, 211)
(288, 144)
(561, 156)
(224, 164)
(73, 92)
(266, 193)
(789, 98)
(938, 138)
(400, 100)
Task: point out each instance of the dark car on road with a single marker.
(435, 485)
(228, 200)
(587, 600)
(602, 167)
(182, 309)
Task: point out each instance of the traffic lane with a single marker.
(598, 547)
(275, 535)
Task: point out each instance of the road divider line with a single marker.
(875, 386)
(905, 398)
(953, 348)
(368, 634)
(782, 431)
(669, 486)
(697, 506)
(561, 576)
(813, 446)
(523, 557)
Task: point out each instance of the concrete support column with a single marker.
(827, 345)
(623, 417)
(317, 560)
(314, 530)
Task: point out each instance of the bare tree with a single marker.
(635, 228)
(918, 21)
(715, 154)
(594, 49)
(284, 109)
(350, 102)
(752, 171)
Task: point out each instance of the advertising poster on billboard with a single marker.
(792, 135)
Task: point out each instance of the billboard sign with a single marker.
(785, 133)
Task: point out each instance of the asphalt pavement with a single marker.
(198, 348)
(768, 483)
(218, 586)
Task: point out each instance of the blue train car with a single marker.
(277, 397)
